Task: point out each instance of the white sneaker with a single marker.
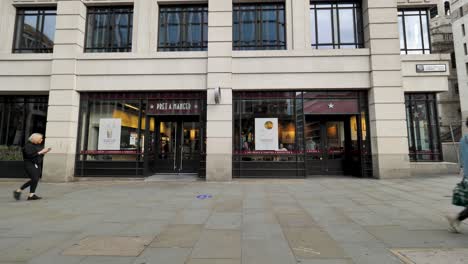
(454, 224)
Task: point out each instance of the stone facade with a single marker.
(448, 102)
(67, 72)
(458, 20)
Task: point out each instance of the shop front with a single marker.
(300, 134)
(20, 116)
(141, 134)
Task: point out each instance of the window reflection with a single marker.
(259, 26)
(35, 30)
(130, 142)
(109, 29)
(183, 28)
(19, 118)
(336, 25)
(414, 32)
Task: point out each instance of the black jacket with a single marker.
(31, 153)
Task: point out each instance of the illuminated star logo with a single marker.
(331, 106)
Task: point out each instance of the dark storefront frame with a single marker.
(20, 116)
(139, 166)
(423, 107)
(292, 163)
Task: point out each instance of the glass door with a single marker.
(334, 146)
(326, 144)
(166, 160)
(177, 146)
(189, 147)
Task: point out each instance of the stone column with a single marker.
(62, 117)
(219, 74)
(386, 96)
(7, 24)
(298, 25)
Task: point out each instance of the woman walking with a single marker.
(455, 221)
(33, 154)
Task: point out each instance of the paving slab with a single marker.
(163, 256)
(309, 243)
(109, 246)
(192, 217)
(106, 260)
(214, 261)
(183, 236)
(432, 256)
(228, 245)
(224, 221)
(270, 221)
(295, 220)
(32, 247)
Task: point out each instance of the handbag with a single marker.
(460, 193)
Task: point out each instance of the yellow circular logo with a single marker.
(268, 125)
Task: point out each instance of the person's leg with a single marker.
(34, 181)
(463, 215)
(28, 169)
(25, 185)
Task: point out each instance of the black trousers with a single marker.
(34, 174)
(463, 215)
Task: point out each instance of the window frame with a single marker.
(186, 10)
(108, 40)
(259, 22)
(401, 13)
(40, 11)
(335, 6)
(432, 121)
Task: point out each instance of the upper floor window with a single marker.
(35, 30)
(414, 31)
(259, 26)
(183, 28)
(336, 24)
(109, 29)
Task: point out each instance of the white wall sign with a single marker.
(109, 133)
(431, 68)
(266, 133)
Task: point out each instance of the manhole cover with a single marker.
(109, 246)
(432, 256)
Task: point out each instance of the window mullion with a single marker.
(403, 21)
(43, 16)
(422, 31)
(355, 26)
(316, 27)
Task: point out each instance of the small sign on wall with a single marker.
(431, 68)
(109, 133)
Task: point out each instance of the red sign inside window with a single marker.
(322, 107)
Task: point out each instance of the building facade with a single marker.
(459, 21)
(448, 102)
(222, 88)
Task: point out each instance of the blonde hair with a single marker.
(34, 135)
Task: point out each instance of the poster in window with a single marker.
(266, 133)
(109, 133)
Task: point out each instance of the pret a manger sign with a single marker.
(173, 107)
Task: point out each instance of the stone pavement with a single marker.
(313, 221)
